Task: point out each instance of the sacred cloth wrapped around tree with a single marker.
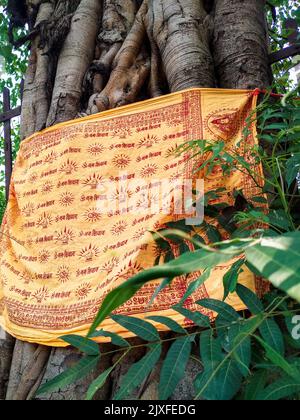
(86, 197)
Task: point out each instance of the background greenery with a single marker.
(247, 356)
(250, 355)
(12, 69)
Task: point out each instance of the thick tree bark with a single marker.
(6, 352)
(117, 21)
(181, 29)
(27, 369)
(75, 58)
(36, 88)
(53, 24)
(89, 56)
(130, 69)
(240, 44)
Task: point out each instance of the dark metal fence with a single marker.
(5, 117)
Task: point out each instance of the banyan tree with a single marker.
(88, 56)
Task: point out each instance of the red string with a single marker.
(258, 91)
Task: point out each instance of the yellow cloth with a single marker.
(60, 256)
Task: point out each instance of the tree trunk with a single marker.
(240, 44)
(91, 55)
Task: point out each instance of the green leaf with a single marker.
(164, 283)
(213, 234)
(255, 386)
(112, 301)
(83, 344)
(210, 350)
(98, 383)
(259, 199)
(76, 372)
(196, 317)
(185, 264)
(230, 279)
(139, 327)
(224, 310)
(138, 372)
(169, 256)
(276, 126)
(267, 137)
(278, 218)
(181, 225)
(116, 339)
(174, 366)
(241, 347)
(292, 169)
(169, 323)
(222, 384)
(246, 330)
(278, 260)
(229, 381)
(275, 218)
(279, 390)
(279, 361)
(272, 335)
(183, 248)
(250, 299)
(199, 239)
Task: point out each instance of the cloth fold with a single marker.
(84, 198)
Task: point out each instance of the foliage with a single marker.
(244, 357)
(14, 61)
(250, 355)
(278, 12)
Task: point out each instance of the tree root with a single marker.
(6, 351)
